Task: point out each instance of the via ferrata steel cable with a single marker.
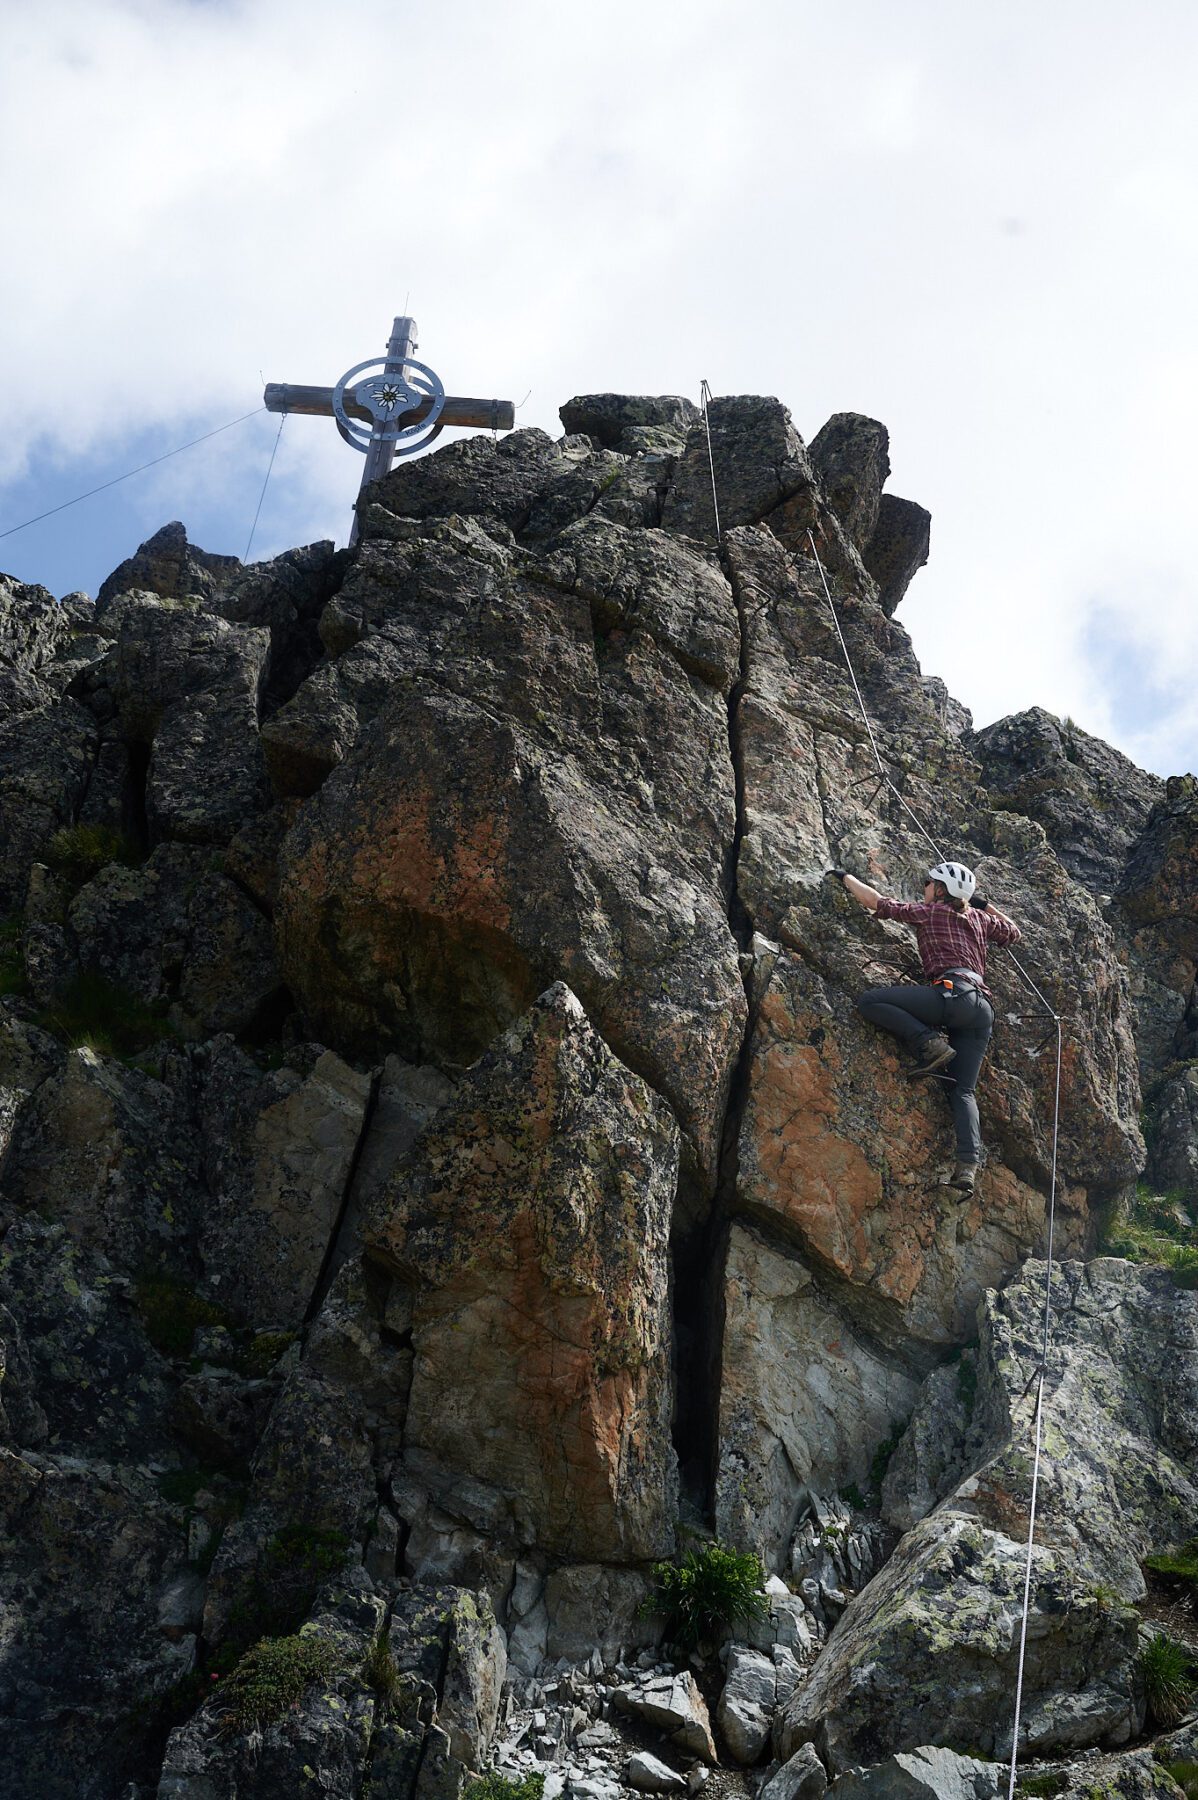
(884, 773)
(705, 398)
(1052, 1199)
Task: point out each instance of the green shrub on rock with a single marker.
(704, 1593)
(271, 1677)
(171, 1312)
(1155, 1228)
(315, 1551)
(1050, 1784)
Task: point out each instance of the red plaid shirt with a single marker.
(949, 939)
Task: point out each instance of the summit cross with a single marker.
(394, 404)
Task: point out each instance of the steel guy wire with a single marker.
(261, 497)
(165, 457)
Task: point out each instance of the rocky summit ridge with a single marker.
(444, 1173)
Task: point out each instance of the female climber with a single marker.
(949, 1020)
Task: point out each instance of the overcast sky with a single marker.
(975, 223)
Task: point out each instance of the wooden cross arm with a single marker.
(487, 415)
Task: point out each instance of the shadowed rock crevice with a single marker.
(697, 1304)
(334, 1254)
(699, 1250)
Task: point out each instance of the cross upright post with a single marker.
(401, 347)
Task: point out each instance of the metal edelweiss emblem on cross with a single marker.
(396, 411)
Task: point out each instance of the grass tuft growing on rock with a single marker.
(1168, 1671)
(78, 852)
(263, 1352)
(884, 1452)
(1185, 1774)
(172, 1312)
(706, 1592)
(1156, 1228)
(95, 1014)
(271, 1677)
(1049, 1784)
(380, 1672)
(494, 1786)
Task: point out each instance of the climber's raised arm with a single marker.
(861, 891)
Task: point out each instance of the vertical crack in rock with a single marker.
(330, 1265)
(700, 1251)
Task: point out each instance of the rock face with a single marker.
(805, 1399)
(1092, 802)
(927, 1650)
(1155, 898)
(442, 1165)
(542, 791)
(532, 1222)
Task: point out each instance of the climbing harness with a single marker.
(1051, 1014)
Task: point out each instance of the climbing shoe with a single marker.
(964, 1177)
(934, 1052)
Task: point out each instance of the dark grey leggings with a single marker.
(966, 1019)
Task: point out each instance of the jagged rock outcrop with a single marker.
(1092, 802)
(176, 930)
(500, 1177)
(544, 793)
(898, 549)
(167, 564)
(631, 423)
(1157, 897)
(926, 1653)
(806, 1398)
(46, 756)
(850, 457)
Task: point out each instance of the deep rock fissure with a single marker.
(330, 1264)
(698, 1286)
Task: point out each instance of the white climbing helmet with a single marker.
(959, 880)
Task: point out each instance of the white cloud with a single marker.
(979, 227)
